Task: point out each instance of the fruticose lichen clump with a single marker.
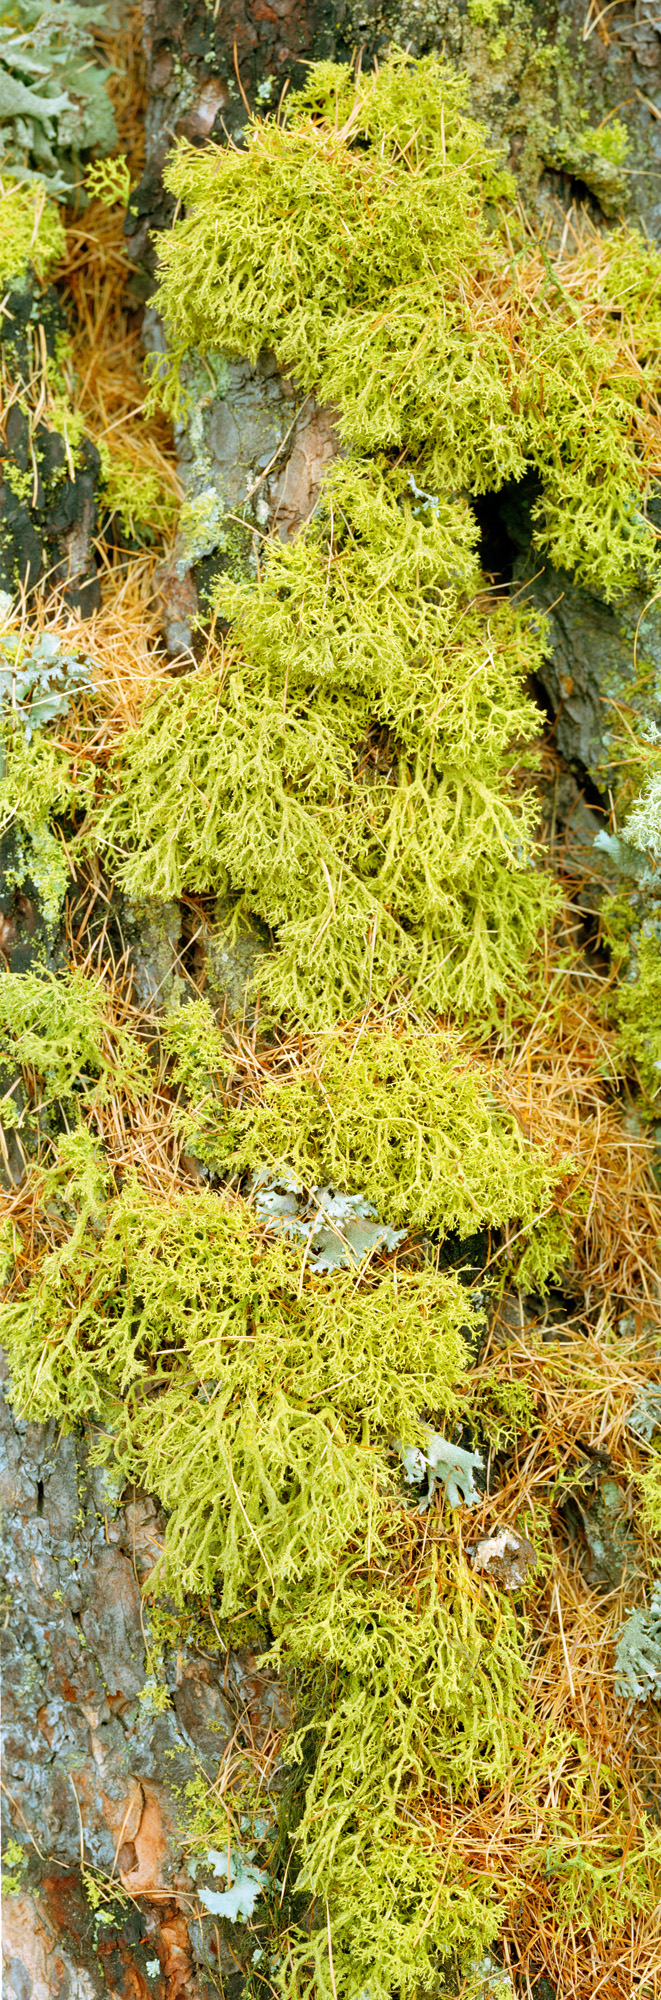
(351, 768)
(373, 221)
(351, 777)
(395, 1115)
(269, 1434)
(356, 778)
(31, 231)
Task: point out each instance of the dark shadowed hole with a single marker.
(505, 524)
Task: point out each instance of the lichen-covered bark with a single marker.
(47, 499)
(93, 1778)
(94, 1773)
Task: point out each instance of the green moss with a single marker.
(375, 222)
(353, 780)
(20, 483)
(106, 1898)
(533, 89)
(70, 425)
(30, 232)
(205, 529)
(618, 919)
(481, 11)
(610, 142)
(40, 858)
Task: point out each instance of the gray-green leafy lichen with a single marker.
(54, 101)
(638, 1653)
(37, 679)
(339, 1229)
(445, 1465)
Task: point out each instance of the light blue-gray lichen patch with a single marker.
(638, 1653)
(37, 679)
(340, 1229)
(245, 1884)
(645, 1414)
(53, 96)
(442, 1464)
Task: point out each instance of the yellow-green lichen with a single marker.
(374, 221)
(262, 1406)
(636, 1005)
(398, 1116)
(142, 503)
(354, 781)
(263, 1409)
(533, 89)
(651, 1492)
(353, 771)
(353, 777)
(59, 1032)
(30, 232)
(109, 181)
(37, 788)
(37, 779)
